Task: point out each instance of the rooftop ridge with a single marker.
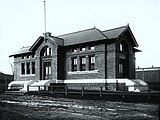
(116, 28)
(147, 67)
(25, 47)
(102, 33)
(76, 32)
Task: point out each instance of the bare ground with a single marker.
(54, 108)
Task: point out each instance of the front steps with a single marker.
(19, 93)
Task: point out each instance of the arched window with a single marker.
(46, 51)
(123, 47)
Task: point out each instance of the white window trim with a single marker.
(83, 72)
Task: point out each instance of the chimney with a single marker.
(47, 34)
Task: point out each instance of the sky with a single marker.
(22, 22)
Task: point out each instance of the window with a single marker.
(28, 68)
(33, 67)
(47, 51)
(74, 50)
(22, 68)
(82, 49)
(23, 57)
(121, 47)
(91, 48)
(120, 68)
(28, 56)
(92, 63)
(47, 70)
(33, 55)
(50, 51)
(74, 64)
(82, 63)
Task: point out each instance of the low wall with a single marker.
(96, 86)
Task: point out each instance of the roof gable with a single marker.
(114, 33)
(117, 32)
(21, 51)
(84, 36)
(40, 40)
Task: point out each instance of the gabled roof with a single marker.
(84, 36)
(53, 39)
(21, 51)
(114, 33)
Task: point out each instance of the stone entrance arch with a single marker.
(45, 63)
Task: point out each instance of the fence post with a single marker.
(149, 93)
(66, 90)
(82, 90)
(106, 85)
(100, 91)
(117, 85)
(123, 89)
(28, 88)
(38, 89)
(51, 89)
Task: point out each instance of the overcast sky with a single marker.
(22, 22)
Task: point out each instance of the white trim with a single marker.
(27, 75)
(83, 72)
(148, 69)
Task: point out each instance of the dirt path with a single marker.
(51, 108)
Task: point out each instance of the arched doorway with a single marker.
(45, 63)
(124, 60)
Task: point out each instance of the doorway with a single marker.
(45, 63)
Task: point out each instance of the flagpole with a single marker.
(44, 16)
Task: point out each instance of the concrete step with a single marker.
(14, 93)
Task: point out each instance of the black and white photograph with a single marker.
(79, 60)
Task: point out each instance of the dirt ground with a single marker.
(53, 108)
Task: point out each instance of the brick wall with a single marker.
(17, 69)
(97, 86)
(111, 61)
(99, 54)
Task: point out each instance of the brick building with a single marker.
(5, 79)
(150, 75)
(87, 54)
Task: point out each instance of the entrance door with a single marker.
(47, 70)
(45, 63)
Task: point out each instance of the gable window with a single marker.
(74, 64)
(22, 68)
(47, 51)
(33, 67)
(82, 49)
(91, 48)
(82, 63)
(74, 50)
(92, 63)
(121, 47)
(28, 68)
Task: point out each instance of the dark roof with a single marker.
(114, 33)
(147, 68)
(21, 51)
(84, 36)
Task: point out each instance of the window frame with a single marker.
(82, 63)
(74, 63)
(92, 61)
(28, 67)
(91, 48)
(22, 68)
